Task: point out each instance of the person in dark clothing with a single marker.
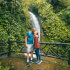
(37, 47)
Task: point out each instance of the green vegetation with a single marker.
(65, 16)
(54, 26)
(59, 5)
(13, 21)
(54, 17)
(6, 66)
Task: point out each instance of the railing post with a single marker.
(9, 47)
(69, 58)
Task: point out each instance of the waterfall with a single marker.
(35, 23)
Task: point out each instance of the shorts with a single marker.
(30, 48)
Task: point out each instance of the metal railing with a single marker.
(55, 49)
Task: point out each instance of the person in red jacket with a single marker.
(37, 47)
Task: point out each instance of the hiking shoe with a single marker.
(40, 62)
(37, 61)
(28, 64)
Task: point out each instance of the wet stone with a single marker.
(18, 62)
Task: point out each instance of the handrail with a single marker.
(54, 43)
(49, 43)
(42, 48)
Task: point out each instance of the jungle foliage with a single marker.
(54, 20)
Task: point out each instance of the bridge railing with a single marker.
(49, 49)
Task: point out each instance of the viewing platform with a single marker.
(18, 62)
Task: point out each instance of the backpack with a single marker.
(29, 32)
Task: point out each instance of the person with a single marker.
(37, 47)
(29, 44)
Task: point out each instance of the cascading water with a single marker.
(35, 23)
